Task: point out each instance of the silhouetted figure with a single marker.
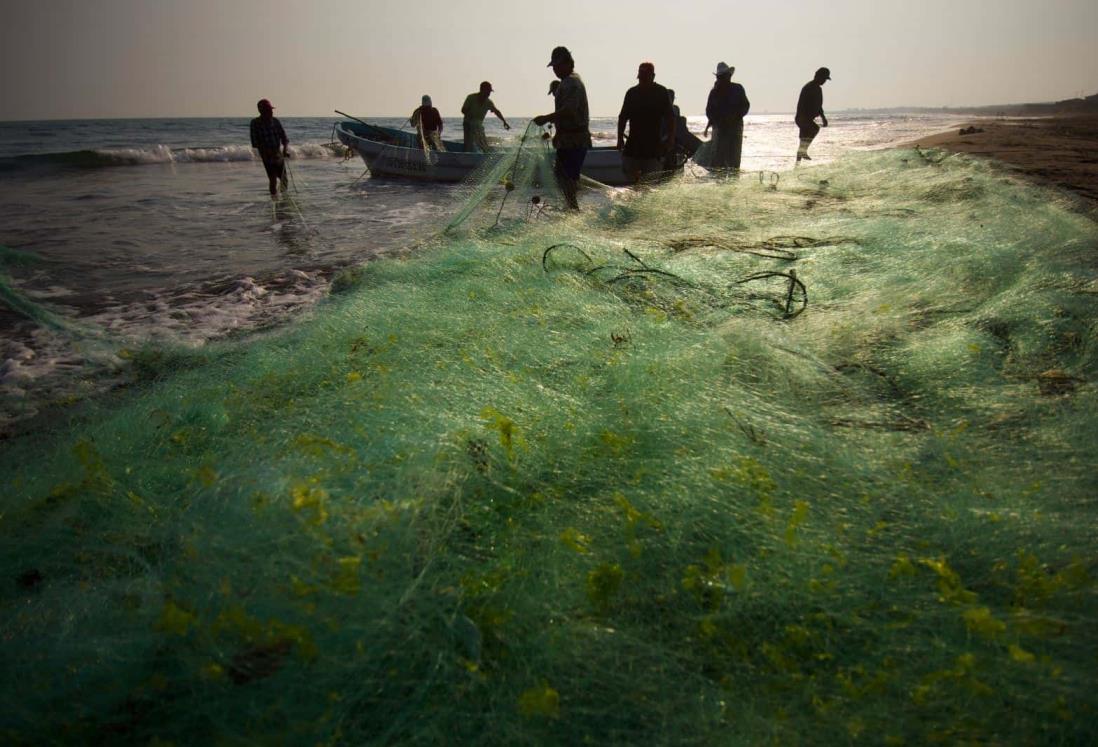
(647, 110)
(270, 140)
(725, 111)
(809, 106)
(475, 109)
(686, 143)
(428, 122)
(571, 117)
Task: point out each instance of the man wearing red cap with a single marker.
(270, 140)
(647, 108)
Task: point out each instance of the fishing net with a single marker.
(795, 459)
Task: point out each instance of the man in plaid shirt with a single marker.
(270, 140)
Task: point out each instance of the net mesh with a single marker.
(805, 458)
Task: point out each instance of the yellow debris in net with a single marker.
(541, 701)
(175, 619)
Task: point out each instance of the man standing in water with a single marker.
(809, 106)
(725, 111)
(475, 109)
(270, 140)
(428, 122)
(647, 109)
(571, 117)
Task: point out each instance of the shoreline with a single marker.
(1059, 150)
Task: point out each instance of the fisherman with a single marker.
(809, 106)
(476, 108)
(571, 117)
(647, 108)
(270, 140)
(725, 111)
(686, 143)
(428, 122)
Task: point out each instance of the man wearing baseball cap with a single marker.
(810, 106)
(571, 117)
(647, 110)
(270, 140)
(475, 109)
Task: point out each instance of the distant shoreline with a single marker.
(1058, 149)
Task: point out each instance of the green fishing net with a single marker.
(796, 458)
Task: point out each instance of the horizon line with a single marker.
(849, 110)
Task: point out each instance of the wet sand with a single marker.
(1058, 150)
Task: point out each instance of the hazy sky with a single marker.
(164, 58)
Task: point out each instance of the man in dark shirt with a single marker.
(270, 140)
(647, 108)
(810, 106)
(725, 110)
(427, 120)
(685, 144)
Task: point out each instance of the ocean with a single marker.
(161, 230)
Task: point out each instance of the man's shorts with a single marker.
(275, 167)
(475, 139)
(809, 129)
(570, 162)
(638, 168)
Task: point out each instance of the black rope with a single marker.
(545, 255)
(794, 283)
(776, 247)
(774, 179)
(796, 292)
(648, 271)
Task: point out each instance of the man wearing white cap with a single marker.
(725, 111)
(427, 120)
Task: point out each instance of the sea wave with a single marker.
(159, 154)
(56, 354)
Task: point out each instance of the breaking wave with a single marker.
(158, 154)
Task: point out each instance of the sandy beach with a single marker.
(1060, 150)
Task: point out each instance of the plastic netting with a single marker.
(798, 459)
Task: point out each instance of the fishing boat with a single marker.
(390, 152)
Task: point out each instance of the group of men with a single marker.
(654, 124)
(570, 117)
(648, 111)
(428, 121)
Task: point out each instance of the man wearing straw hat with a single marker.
(725, 111)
